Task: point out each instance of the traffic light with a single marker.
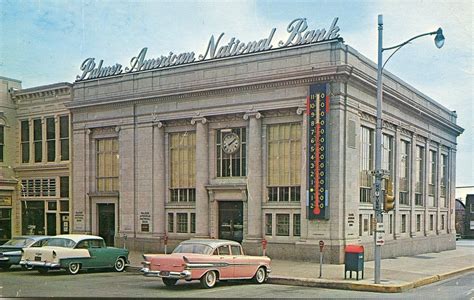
(389, 199)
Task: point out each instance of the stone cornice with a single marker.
(391, 95)
(326, 74)
(42, 167)
(40, 94)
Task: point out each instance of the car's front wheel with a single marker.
(119, 265)
(73, 268)
(209, 280)
(260, 276)
(169, 281)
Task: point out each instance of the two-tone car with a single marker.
(206, 260)
(73, 253)
(10, 252)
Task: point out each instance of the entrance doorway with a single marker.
(51, 223)
(231, 220)
(106, 212)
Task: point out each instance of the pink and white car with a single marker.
(208, 261)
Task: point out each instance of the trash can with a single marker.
(354, 260)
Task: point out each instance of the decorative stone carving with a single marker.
(405, 131)
(388, 125)
(366, 117)
(104, 130)
(158, 124)
(300, 110)
(255, 114)
(421, 139)
(198, 119)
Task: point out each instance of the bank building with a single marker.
(248, 141)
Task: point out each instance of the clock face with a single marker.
(230, 143)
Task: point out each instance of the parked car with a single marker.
(208, 261)
(10, 252)
(75, 252)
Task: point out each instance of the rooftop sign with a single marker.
(217, 47)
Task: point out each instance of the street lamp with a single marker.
(379, 173)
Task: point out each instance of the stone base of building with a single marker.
(413, 246)
(309, 251)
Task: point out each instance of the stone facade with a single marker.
(35, 178)
(143, 110)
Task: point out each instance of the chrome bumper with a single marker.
(41, 264)
(174, 275)
(4, 258)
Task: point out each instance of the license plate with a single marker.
(37, 258)
(165, 273)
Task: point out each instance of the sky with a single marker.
(44, 42)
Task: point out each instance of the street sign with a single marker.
(380, 227)
(380, 240)
(321, 246)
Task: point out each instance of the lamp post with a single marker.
(379, 173)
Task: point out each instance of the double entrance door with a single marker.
(231, 221)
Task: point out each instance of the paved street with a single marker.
(18, 283)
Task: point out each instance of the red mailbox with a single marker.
(354, 249)
(354, 260)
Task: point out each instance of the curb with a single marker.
(355, 286)
(367, 287)
(342, 285)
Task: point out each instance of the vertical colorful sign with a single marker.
(317, 108)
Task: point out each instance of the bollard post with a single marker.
(321, 246)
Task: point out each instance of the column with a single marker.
(159, 180)
(44, 149)
(304, 144)
(438, 190)
(254, 175)
(202, 177)
(87, 180)
(144, 177)
(396, 184)
(426, 173)
(57, 139)
(79, 189)
(452, 190)
(412, 186)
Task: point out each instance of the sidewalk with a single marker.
(397, 274)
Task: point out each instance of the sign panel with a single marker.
(317, 108)
(5, 201)
(217, 47)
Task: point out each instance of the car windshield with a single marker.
(61, 242)
(19, 242)
(193, 248)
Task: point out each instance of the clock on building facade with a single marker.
(230, 143)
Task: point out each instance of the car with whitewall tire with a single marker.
(74, 253)
(206, 260)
